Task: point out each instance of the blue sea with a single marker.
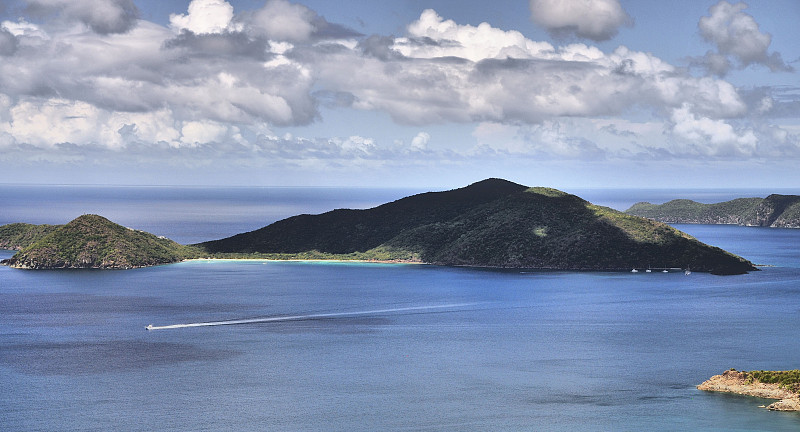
(367, 347)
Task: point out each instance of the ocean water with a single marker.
(184, 214)
(381, 347)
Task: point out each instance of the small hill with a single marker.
(92, 241)
(782, 211)
(493, 223)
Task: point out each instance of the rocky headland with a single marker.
(749, 384)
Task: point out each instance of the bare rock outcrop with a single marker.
(732, 381)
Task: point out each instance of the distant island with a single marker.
(493, 223)
(778, 211)
(783, 385)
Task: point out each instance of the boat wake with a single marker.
(411, 309)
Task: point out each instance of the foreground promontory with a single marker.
(492, 223)
(783, 385)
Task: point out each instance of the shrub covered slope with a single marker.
(92, 241)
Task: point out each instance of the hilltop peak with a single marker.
(492, 187)
(496, 183)
(90, 218)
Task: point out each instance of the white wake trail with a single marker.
(309, 316)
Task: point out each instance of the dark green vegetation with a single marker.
(789, 379)
(773, 211)
(493, 223)
(18, 236)
(90, 241)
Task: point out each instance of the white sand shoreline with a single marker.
(345, 261)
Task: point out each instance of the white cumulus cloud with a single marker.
(194, 133)
(712, 137)
(420, 141)
(597, 20)
(464, 41)
(281, 20)
(204, 16)
(215, 80)
(737, 37)
(23, 28)
(447, 72)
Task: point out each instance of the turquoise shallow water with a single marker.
(464, 349)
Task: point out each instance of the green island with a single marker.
(777, 211)
(493, 223)
(782, 385)
(89, 241)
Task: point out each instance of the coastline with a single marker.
(8, 263)
(732, 381)
(356, 261)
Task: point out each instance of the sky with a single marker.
(401, 93)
